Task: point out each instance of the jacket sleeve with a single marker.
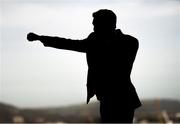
(134, 48)
(63, 43)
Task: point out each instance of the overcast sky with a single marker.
(32, 75)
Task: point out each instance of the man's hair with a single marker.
(106, 17)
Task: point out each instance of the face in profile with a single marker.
(104, 21)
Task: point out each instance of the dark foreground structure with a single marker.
(110, 56)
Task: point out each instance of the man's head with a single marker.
(104, 21)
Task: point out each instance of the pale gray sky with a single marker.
(32, 75)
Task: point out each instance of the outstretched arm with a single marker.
(60, 43)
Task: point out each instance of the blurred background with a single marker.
(41, 84)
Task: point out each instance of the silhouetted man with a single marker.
(110, 56)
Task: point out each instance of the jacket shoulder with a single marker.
(91, 35)
(132, 40)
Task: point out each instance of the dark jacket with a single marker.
(110, 59)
